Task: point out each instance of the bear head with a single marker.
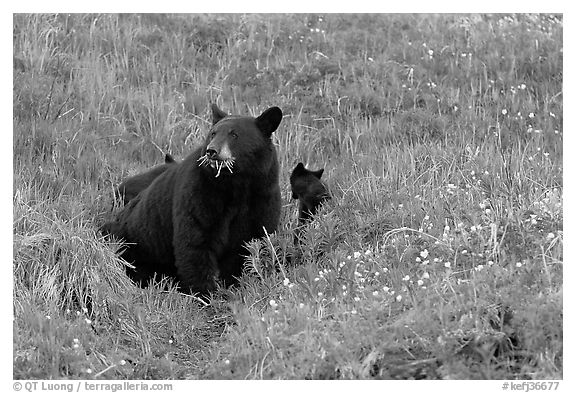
(307, 187)
(235, 143)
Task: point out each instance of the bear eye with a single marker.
(233, 134)
(212, 134)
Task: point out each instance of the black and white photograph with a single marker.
(286, 196)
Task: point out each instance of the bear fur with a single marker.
(132, 186)
(191, 223)
(310, 191)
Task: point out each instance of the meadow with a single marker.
(439, 255)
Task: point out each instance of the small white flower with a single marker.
(490, 263)
(227, 362)
(522, 86)
(317, 279)
(518, 264)
(406, 278)
(531, 115)
(301, 305)
(353, 311)
(122, 362)
(425, 275)
(385, 289)
(400, 206)
(436, 260)
(88, 371)
(385, 270)
(356, 299)
(420, 282)
(48, 317)
(87, 321)
(504, 111)
(447, 264)
(399, 298)
(424, 254)
(286, 281)
(418, 259)
(356, 255)
(479, 268)
(273, 303)
(320, 294)
(464, 251)
(375, 293)
(550, 236)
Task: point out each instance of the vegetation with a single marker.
(439, 255)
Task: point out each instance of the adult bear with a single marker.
(132, 186)
(192, 221)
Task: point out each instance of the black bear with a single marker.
(132, 186)
(193, 220)
(310, 192)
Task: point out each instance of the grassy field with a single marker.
(439, 255)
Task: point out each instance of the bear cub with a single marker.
(310, 192)
(132, 186)
(192, 221)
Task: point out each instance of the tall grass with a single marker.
(439, 256)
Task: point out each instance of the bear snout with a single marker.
(211, 153)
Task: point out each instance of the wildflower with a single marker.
(356, 255)
(375, 293)
(420, 282)
(356, 299)
(490, 263)
(87, 321)
(479, 268)
(286, 281)
(376, 274)
(317, 279)
(504, 111)
(368, 252)
(385, 289)
(48, 317)
(436, 260)
(425, 275)
(227, 362)
(385, 270)
(301, 305)
(550, 236)
(399, 298)
(170, 341)
(522, 86)
(88, 371)
(122, 362)
(518, 264)
(418, 259)
(424, 254)
(400, 206)
(273, 303)
(464, 251)
(447, 264)
(320, 294)
(406, 278)
(353, 311)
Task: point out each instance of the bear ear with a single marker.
(217, 114)
(168, 159)
(269, 120)
(298, 169)
(318, 173)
